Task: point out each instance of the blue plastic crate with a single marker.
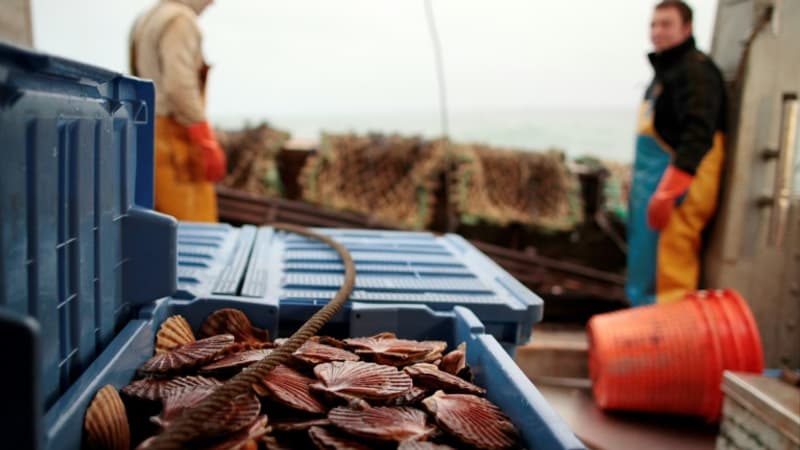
(541, 427)
(393, 267)
(212, 258)
(78, 245)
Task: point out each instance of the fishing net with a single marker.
(390, 177)
(501, 186)
(252, 159)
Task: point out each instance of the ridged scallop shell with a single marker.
(314, 353)
(385, 349)
(241, 411)
(327, 439)
(146, 388)
(410, 398)
(361, 379)
(173, 332)
(106, 423)
(234, 322)
(294, 427)
(246, 439)
(430, 377)
(156, 388)
(188, 356)
(473, 420)
(178, 400)
(456, 360)
(422, 445)
(234, 361)
(397, 423)
(290, 388)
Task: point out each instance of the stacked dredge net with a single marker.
(252, 159)
(501, 186)
(389, 177)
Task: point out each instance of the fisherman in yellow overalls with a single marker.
(166, 46)
(679, 155)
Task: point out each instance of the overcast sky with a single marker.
(372, 56)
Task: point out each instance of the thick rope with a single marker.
(192, 423)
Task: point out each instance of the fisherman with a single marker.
(679, 155)
(166, 46)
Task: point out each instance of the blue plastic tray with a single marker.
(541, 427)
(78, 246)
(212, 258)
(395, 267)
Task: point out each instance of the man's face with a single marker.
(667, 29)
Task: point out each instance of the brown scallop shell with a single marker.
(290, 388)
(187, 356)
(456, 360)
(147, 388)
(235, 322)
(173, 332)
(178, 400)
(430, 377)
(234, 361)
(333, 342)
(473, 420)
(422, 445)
(410, 398)
(294, 427)
(385, 349)
(241, 411)
(106, 423)
(395, 423)
(361, 379)
(246, 439)
(157, 388)
(328, 439)
(314, 353)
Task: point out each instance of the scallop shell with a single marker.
(173, 332)
(293, 427)
(385, 349)
(396, 423)
(187, 356)
(156, 388)
(328, 439)
(241, 411)
(410, 398)
(333, 342)
(106, 423)
(234, 361)
(422, 445)
(189, 382)
(456, 360)
(245, 439)
(235, 322)
(178, 400)
(473, 420)
(314, 353)
(291, 388)
(146, 388)
(361, 379)
(430, 377)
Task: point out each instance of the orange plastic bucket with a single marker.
(670, 358)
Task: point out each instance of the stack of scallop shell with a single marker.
(358, 393)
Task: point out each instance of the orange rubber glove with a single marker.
(214, 162)
(674, 183)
